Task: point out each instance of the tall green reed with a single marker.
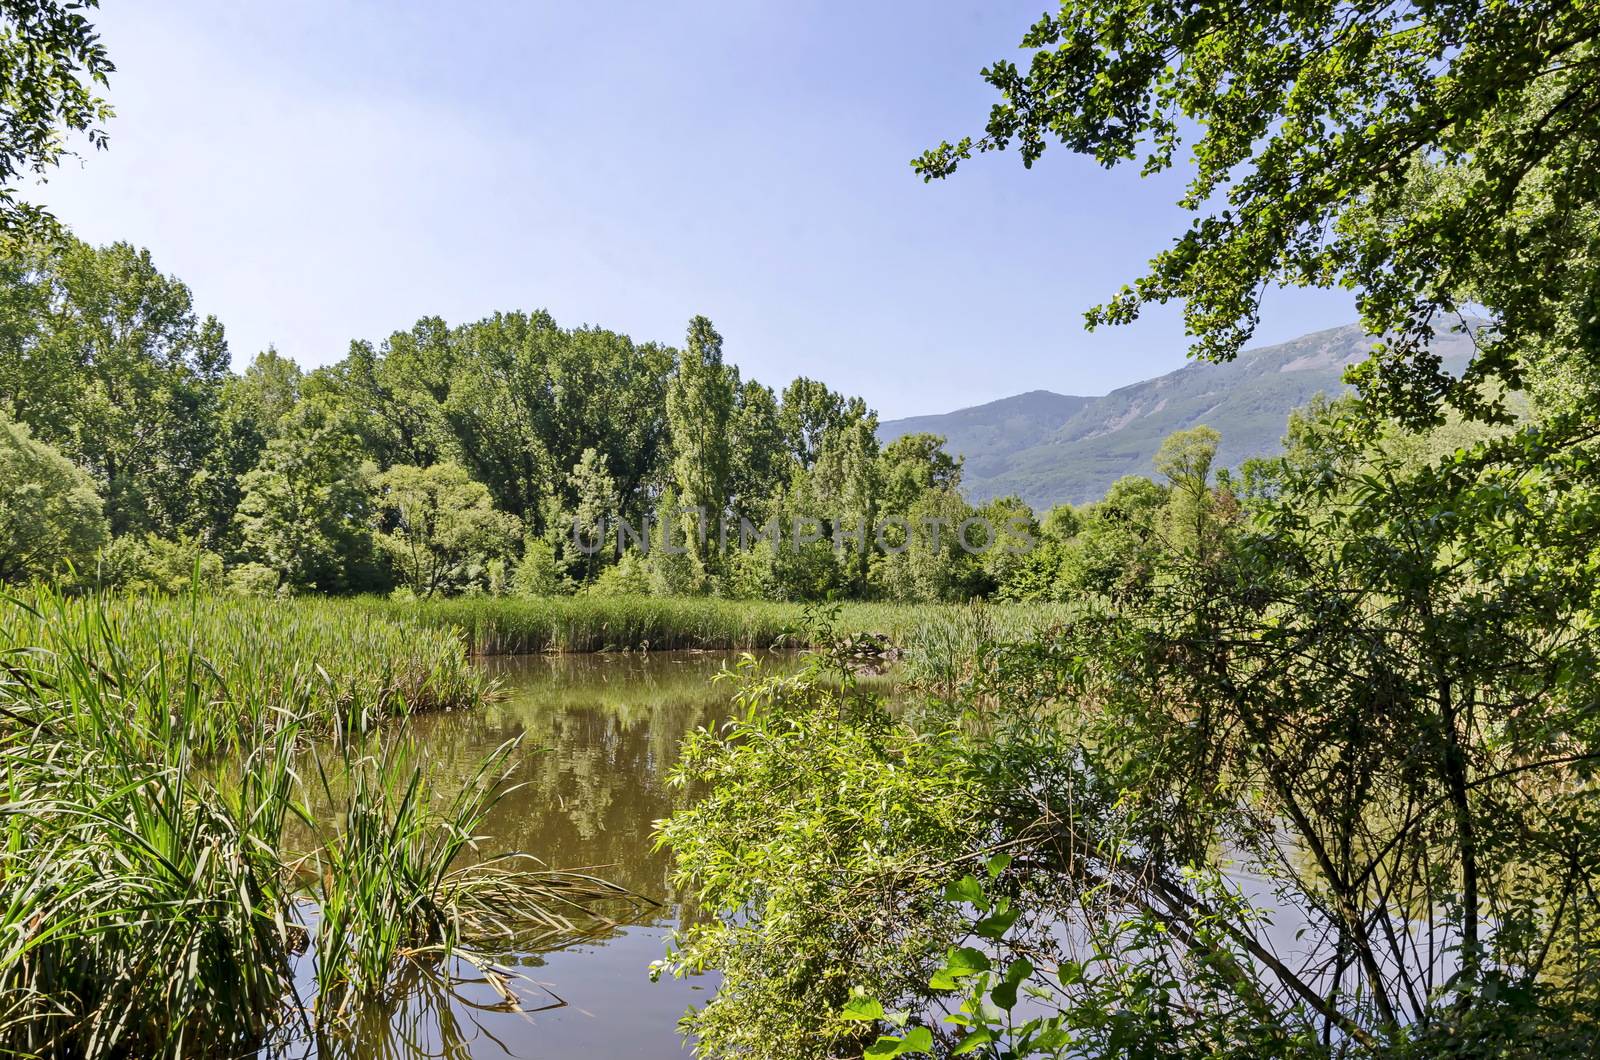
(401, 883)
(149, 901)
(510, 626)
(321, 664)
(142, 910)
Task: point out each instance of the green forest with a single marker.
(485, 458)
(1292, 759)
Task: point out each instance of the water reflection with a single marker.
(599, 733)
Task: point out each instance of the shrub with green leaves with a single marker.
(825, 835)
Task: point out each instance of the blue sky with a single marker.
(323, 171)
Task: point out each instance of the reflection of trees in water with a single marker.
(433, 1016)
(599, 734)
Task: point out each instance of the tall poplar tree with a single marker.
(700, 406)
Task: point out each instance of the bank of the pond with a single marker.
(508, 626)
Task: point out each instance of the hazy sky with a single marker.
(323, 171)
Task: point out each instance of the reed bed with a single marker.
(153, 902)
(322, 664)
(509, 626)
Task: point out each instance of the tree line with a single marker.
(481, 458)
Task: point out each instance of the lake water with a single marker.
(599, 733)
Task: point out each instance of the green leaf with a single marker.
(917, 1040)
(965, 961)
(971, 1041)
(1005, 992)
(862, 1008)
(995, 925)
(998, 864)
(1051, 1039)
(967, 889)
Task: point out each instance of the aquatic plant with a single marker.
(391, 890)
(150, 901)
(510, 626)
(142, 907)
(321, 664)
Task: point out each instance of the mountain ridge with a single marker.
(1050, 448)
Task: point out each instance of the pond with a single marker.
(599, 734)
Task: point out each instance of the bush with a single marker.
(627, 577)
(252, 579)
(540, 572)
(822, 842)
(154, 565)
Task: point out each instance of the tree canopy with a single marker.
(52, 64)
(50, 514)
(1433, 157)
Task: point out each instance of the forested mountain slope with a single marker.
(1051, 448)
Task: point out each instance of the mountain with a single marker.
(1051, 448)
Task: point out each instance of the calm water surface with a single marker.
(599, 733)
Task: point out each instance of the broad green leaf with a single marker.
(972, 1040)
(996, 924)
(862, 1008)
(967, 889)
(966, 961)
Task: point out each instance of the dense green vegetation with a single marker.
(647, 623)
(510, 457)
(153, 894)
(1314, 774)
(1303, 766)
(323, 666)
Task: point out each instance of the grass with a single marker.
(324, 665)
(508, 626)
(153, 903)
